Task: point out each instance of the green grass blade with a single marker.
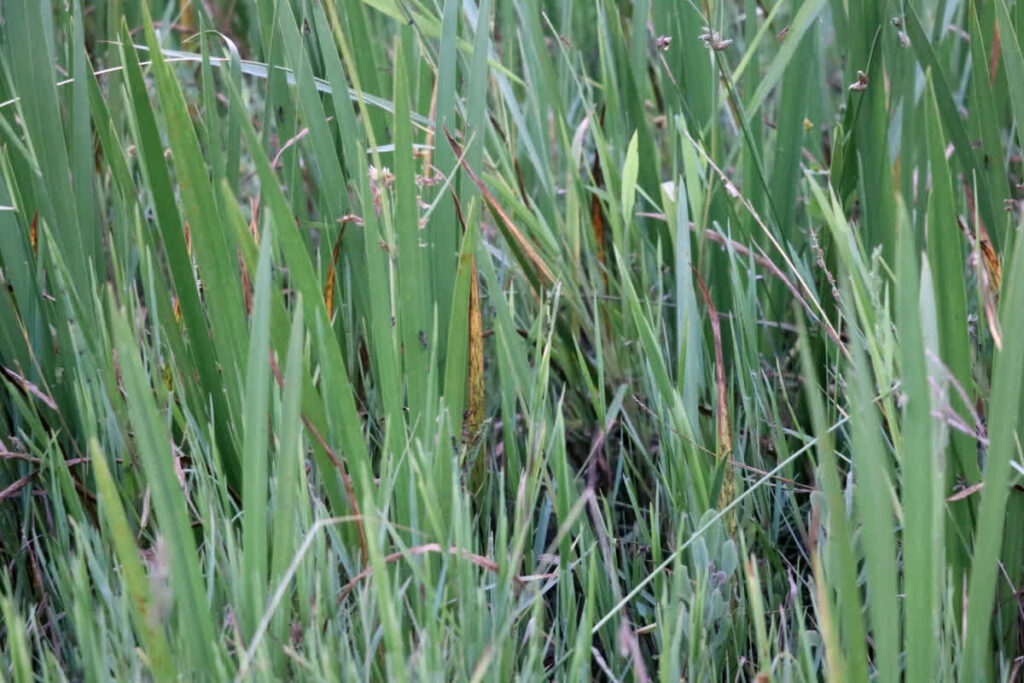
(145, 618)
(922, 469)
(839, 548)
(153, 443)
(290, 460)
(255, 444)
(31, 64)
(1007, 382)
(1013, 61)
(306, 283)
(212, 245)
(872, 496)
(414, 300)
(802, 22)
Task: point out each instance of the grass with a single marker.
(476, 340)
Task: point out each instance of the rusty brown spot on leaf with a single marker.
(332, 272)
(33, 233)
(997, 51)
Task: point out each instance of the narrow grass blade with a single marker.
(841, 562)
(922, 469)
(255, 444)
(153, 444)
(1007, 382)
(146, 620)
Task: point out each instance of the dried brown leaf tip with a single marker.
(861, 83)
(714, 40)
(663, 43)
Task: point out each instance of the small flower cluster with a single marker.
(713, 39)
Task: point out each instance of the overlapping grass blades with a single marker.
(479, 340)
